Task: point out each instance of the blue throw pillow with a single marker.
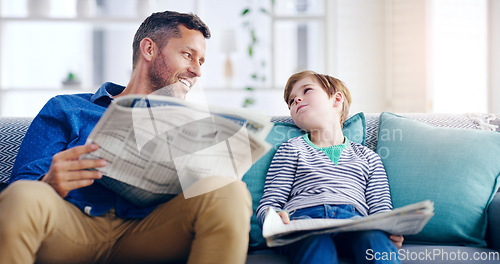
(354, 129)
(457, 169)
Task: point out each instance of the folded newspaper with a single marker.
(406, 220)
(158, 146)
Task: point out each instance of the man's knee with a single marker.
(25, 191)
(23, 198)
(237, 199)
(17, 202)
(231, 207)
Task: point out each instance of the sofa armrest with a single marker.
(493, 235)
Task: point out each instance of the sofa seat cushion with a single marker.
(457, 169)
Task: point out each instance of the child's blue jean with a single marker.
(363, 246)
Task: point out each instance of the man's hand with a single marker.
(397, 240)
(67, 172)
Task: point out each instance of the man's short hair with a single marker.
(162, 26)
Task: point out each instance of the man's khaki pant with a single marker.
(36, 224)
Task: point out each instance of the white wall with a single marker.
(359, 52)
(408, 56)
(415, 56)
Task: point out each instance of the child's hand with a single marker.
(284, 216)
(397, 240)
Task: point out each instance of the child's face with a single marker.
(309, 103)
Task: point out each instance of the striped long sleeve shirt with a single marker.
(302, 176)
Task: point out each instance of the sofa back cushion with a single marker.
(466, 121)
(457, 169)
(12, 132)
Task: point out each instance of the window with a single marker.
(459, 56)
(298, 38)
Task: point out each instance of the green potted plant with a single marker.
(257, 76)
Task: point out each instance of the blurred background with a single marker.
(394, 55)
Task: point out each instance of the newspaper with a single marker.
(159, 146)
(406, 220)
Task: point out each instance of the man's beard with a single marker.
(160, 85)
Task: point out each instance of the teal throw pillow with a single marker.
(354, 129)
(457, 169)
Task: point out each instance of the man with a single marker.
(54, 212)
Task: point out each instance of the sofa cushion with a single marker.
(354, 129)
(12, 132)
(457, 169)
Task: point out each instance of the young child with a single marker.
(324, 175)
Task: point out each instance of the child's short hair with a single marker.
(330, 84)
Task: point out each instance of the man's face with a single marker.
(178, 64)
